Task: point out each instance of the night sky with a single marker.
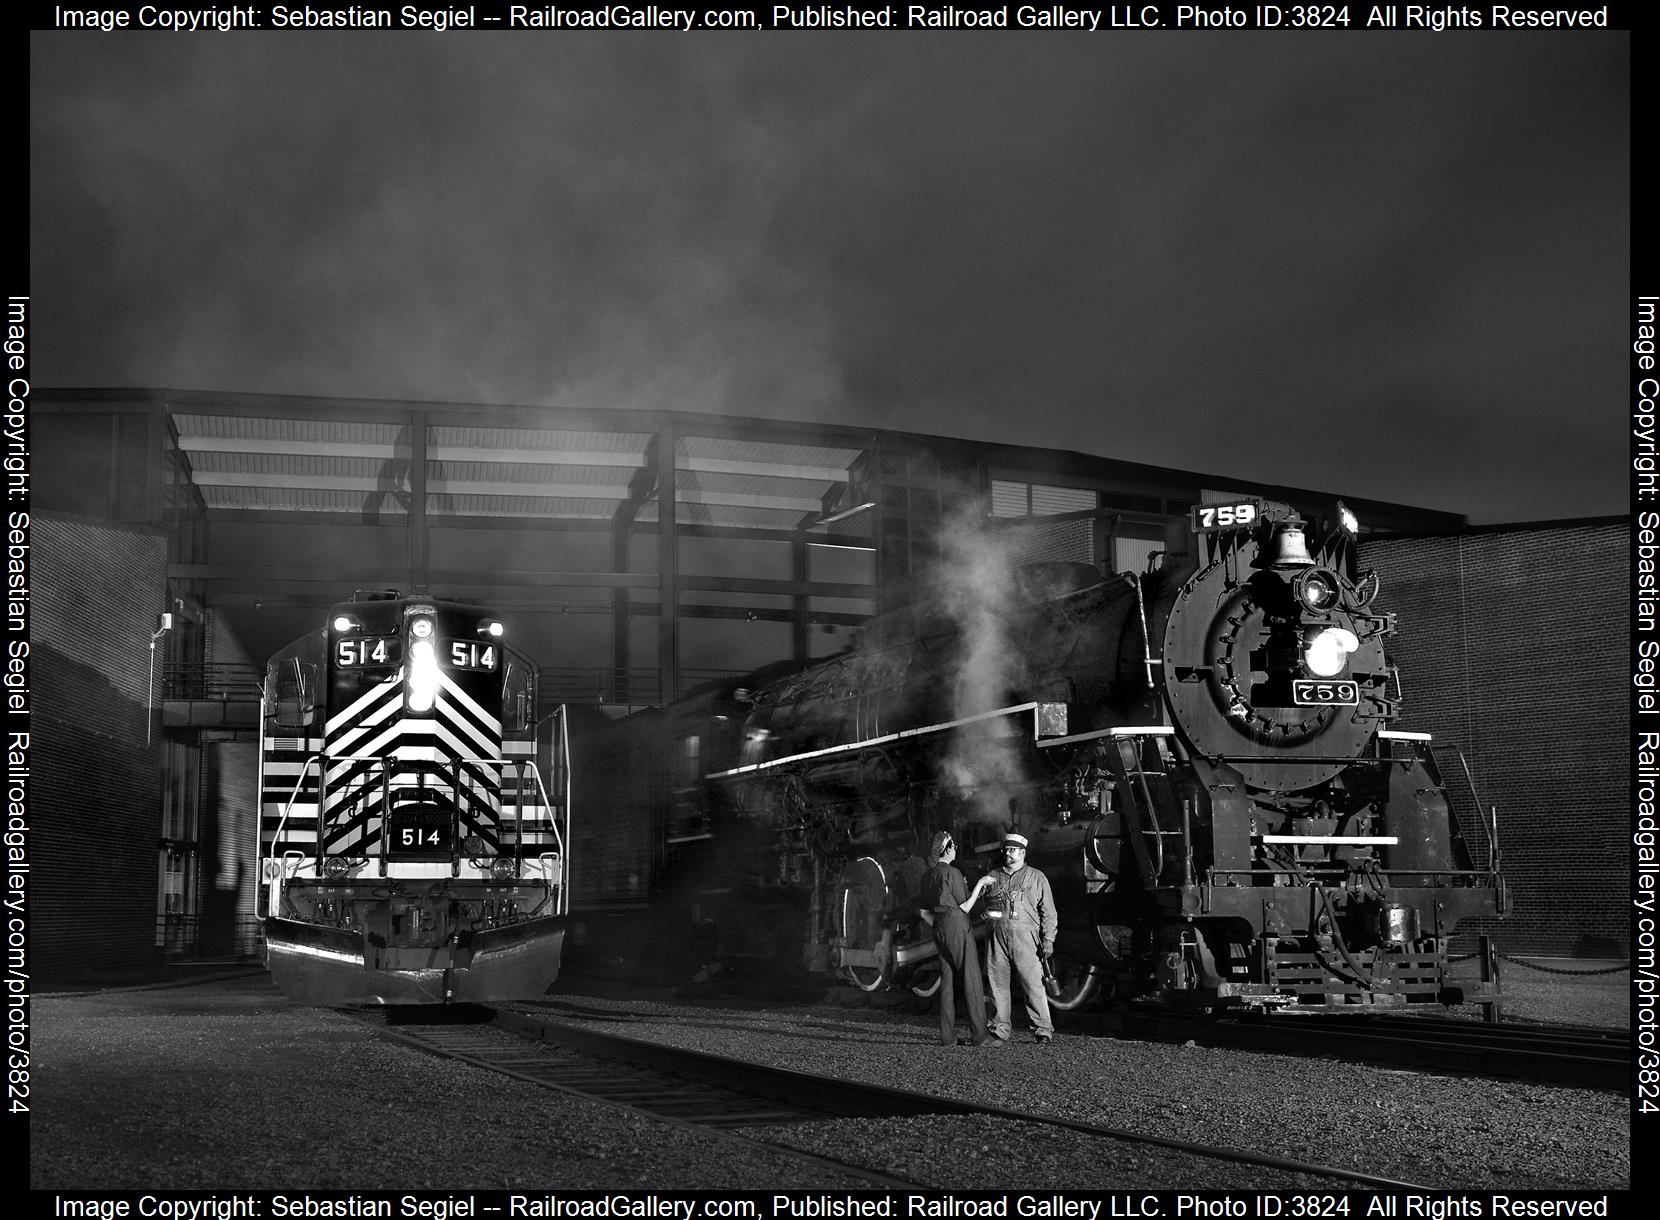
(1392, 266)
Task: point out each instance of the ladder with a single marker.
(1154, 813)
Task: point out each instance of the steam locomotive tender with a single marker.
(410, 850)
(1202, 755)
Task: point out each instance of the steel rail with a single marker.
(1567, 1056)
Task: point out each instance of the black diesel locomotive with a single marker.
(1202, 755)
(410, 850)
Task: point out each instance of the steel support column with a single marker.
(668, 569)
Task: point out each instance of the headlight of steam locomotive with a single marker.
(1328, 652)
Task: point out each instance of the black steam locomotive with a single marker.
(1201, 755)
(414, 813)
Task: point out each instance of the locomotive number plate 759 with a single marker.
(1306, 692)
(1208, 517)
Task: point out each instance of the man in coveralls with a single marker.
(1020, 910)
(945, 905)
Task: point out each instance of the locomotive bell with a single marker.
(1286, 549)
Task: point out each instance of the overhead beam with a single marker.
(255, 575)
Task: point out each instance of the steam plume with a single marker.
(977, 592)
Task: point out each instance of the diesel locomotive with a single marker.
(1206, 757)
(415, 814)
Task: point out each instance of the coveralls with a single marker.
(943, 891)
(1026, 930)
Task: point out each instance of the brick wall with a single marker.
(94, 807)
(1511, 644)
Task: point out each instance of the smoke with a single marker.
(977, 592)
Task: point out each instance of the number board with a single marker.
(472, 654)
(1307, 692)
(361, 651)
(420, 832)
(1241, 514)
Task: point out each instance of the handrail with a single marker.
(1141, 614)
(1129, 750)
(560, 827)
(1489, 823)
(559, 836)
(289, 807)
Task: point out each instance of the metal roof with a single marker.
(287, 463)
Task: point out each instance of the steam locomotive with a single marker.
(410, 850)
(1202, 756)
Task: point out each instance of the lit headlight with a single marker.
(344, 623)
(1328, 652)
(491, 628)
(420, 628)
(423, 675)
(1316, 589)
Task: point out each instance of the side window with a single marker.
(291, 692)
(518, 698)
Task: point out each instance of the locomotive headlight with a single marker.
(344, 623)
(504, 868)
(490, 628)
(335, 868)
(1328, 652)
(1316, 589)
(420, 628)
(423, 675)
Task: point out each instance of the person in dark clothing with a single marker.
(945, 906)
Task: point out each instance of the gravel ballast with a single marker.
(227, 1085)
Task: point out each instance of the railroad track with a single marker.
(758, 1104)
(1573, 1056)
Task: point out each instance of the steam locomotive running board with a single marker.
(1042, 709)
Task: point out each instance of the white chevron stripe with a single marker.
(492, 723)
(462, 747)
(345, 738)
(393, 687)
(464, 742)
(387, 741)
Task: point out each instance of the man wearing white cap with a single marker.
(1021, 910)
